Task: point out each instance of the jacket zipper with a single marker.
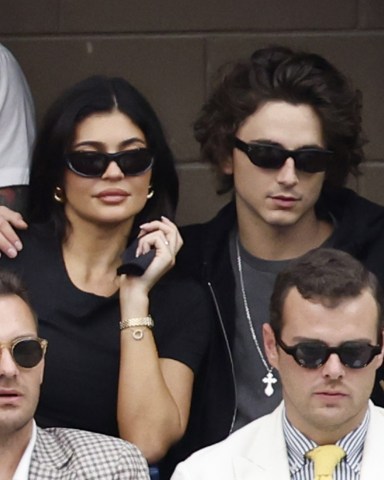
(229, 352)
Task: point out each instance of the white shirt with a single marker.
(298, 444)
(17, 122)
(22, 469)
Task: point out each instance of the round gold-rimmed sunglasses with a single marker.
(27, 352)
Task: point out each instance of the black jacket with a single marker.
(205, 255)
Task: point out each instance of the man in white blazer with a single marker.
(28, 452)
(325, 338)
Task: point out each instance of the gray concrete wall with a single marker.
(170, 48)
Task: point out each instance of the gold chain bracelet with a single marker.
(137, 322)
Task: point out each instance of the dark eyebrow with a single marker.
(101, 145)
(265, 141)
(307, 340)
(131, 141)
(297, 340)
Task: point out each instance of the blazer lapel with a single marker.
(50, 458)
(245, 469)
(373, 454)
(264, 458)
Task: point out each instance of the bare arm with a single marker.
(154, 394)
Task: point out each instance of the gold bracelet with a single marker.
(137, 322)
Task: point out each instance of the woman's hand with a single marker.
(164, 237)
(10, 220)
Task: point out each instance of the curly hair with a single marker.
(280, 74)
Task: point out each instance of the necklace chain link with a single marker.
(269, 379)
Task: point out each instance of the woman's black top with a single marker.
(82, 361)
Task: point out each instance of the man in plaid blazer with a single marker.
(27, 451)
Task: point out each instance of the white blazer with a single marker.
(257, 451)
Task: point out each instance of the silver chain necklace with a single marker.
(268, 379)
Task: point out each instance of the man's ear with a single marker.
(381, 355)
(270, 346)
(42, 368)
(227, 165)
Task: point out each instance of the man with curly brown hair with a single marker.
(282, 129)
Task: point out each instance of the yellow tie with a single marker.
(325, 458)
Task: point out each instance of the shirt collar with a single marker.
(22, 470)
(298, 444)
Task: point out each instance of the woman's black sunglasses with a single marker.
(94, 164)
(315, 354)
(264, 155)
(27, 352)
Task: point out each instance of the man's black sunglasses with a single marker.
(315, 354)
(27, 352)
(94, 164)
(264, 155)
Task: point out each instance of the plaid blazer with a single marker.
(63, 453)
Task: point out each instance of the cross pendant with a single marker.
(269, 379)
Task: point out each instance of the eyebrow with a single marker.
(318, 340)
(101, 145)
(279, 145)
(21, 337)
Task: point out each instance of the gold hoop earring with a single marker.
(151, 192)
(58, 195)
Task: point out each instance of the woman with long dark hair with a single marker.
(123, 349)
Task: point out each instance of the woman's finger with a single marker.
(171, 234)
(10, 243)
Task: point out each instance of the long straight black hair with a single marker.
(94, 95)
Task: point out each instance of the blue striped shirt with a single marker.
(298, 445)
